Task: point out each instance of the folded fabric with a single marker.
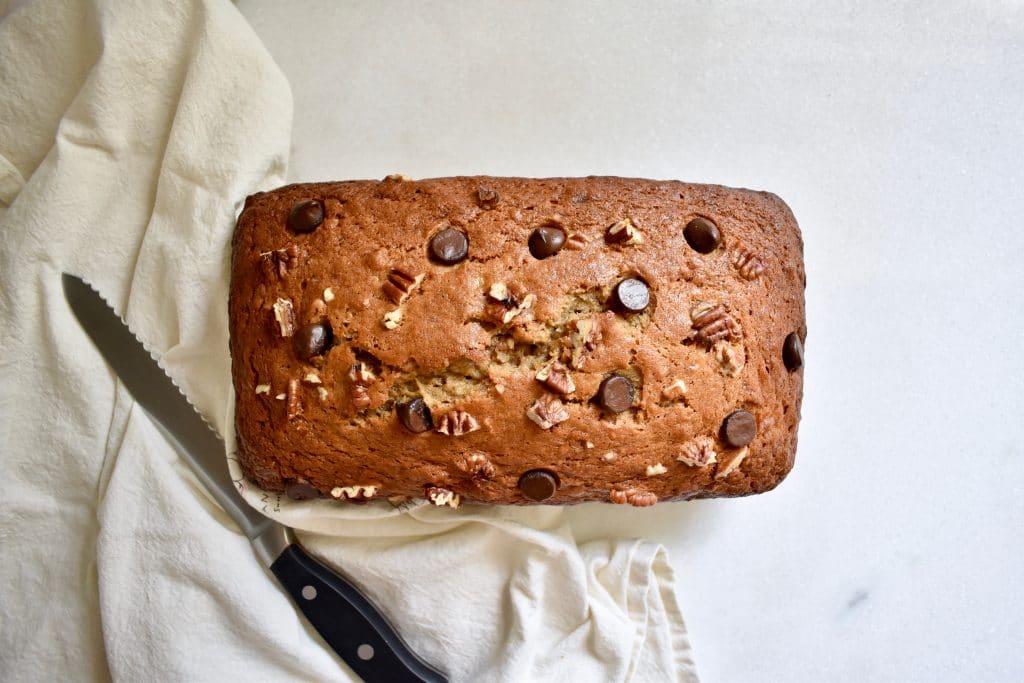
(130, 132)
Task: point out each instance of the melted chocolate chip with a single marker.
(312, 340)
(793, 352)
(702, 235)
(538, 485)
(449, 246)
(546, 241)
(297, 490)
(616, 394)
(631, 295)
(415, 416)
(306, 216)
(738, 429)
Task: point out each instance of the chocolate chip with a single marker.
(738, 429)
(702, 235)
(546, 240)
(415, 416)
(312, 340)
(538, 485)
(486, 197)
(616, 394)
(449, 246)
(306, 216)
(297, 490)
(631, 295)
(793, 352)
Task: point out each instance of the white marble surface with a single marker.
(895, 550)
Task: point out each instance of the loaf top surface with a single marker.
(513, 340)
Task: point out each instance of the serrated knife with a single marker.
(337, 610)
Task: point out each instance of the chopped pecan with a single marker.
(294, 405)
(360, 397)
(400, 284)
(392, 319)
(440, 496)
(547, 411)
(311, 378)
(733, 464)
(699, 452)
(329, 295)
(674, 391)
(623, 232)
(278, 261)
(640, 499)
(583, 338)
(713, 323)
(498, 291)
(361, 375)
(395, 177)
(262, 388)
(477, 465)
(284, 314)
(748, 263)
(731, 359)
(576, 241)
(356, 493)
(656, 469)
(555, 377)
(486, 197)
(527, 303)
(456, 423)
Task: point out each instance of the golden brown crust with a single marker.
(710, 341)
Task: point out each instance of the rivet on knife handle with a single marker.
(347, 620)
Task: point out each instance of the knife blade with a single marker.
(346, 620)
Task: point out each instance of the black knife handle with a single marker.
(347, 621)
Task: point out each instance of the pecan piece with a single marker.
(294, 404)
(699, 452)
(527, 303)
(576, 241)
(733, 464)
(400, 284)
(674, 391)
(731, 359)
(357, 493)
(655, 469)
(456, 423)
(748, 263)
(392, 319)
(713, 323)
(361, 377)
(360, 397)
(584, 338)
(440, 496)
(547, 411)
(278, 261)
(477, 465)
(360, 374)
(623, 232)
(486, 197)
(556, 377)
(284, 315)
(640, 499)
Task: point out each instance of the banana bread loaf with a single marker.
(513, 340)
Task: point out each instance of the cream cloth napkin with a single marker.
(130, 132)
